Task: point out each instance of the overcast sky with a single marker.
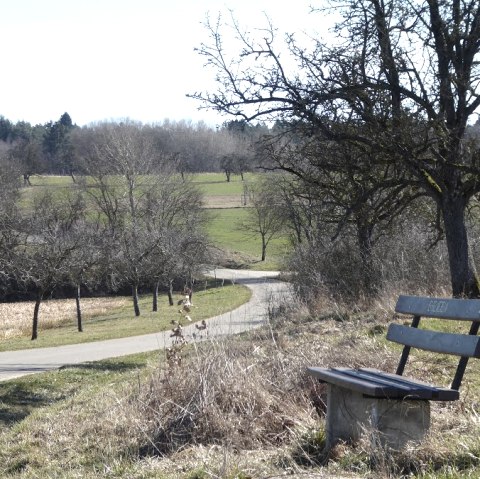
(113, 59)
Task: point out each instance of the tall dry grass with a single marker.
(242, 407)
(253, 394)
(16, 318)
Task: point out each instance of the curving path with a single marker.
(265, 289)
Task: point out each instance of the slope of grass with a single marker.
(235, 409)
(226, 232)
(224, 200)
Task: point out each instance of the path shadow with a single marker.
(18, 399)
(113, 366)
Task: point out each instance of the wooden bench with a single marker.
(393, 407)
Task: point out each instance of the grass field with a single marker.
(226, 232)
(216, 184)
(225, 202)
(234, 409)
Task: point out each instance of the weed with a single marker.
(309, 448)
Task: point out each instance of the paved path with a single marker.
(248, 316)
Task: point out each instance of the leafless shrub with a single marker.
(412, 262)
(407, 260)
(231, 394)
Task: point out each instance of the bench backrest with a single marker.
(463, 345)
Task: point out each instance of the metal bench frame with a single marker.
(394, 407)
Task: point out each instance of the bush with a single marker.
(225, 395)
(405, 261)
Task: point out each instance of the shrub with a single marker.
(404, 261)
(225, 395)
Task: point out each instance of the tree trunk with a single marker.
(170, 293)
(155, 297)
(365, 246)
(462, 270)
(79, 310)
(35, 316)
(136, 307)
(264, 248)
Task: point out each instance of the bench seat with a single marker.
(381, 385)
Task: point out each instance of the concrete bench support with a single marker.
(350, 415)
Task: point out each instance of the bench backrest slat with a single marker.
(443, 308)
(438, 342)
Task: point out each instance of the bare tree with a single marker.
(175, 210)
(50, 237)
(264, 218)
(341, 188)
(407, 75)
(140, 198)
(10, 234)
(85, 264)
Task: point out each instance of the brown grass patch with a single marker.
(226, 393)
(225, 201)
(244, 407)
(16, 318)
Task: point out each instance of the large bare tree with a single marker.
(406, 75)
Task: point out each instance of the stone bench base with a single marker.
(350, 415)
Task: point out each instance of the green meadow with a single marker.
(225, 231)
(227, 213)
(216, 184)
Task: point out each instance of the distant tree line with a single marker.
(54, 148)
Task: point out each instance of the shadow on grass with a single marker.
(21, 397)
(104, 366)
(17, 401)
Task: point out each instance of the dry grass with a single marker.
(253, 399)
(16, 318)
(217, 399)
(243, 408)
(223, 201)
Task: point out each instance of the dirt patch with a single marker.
(225, 201)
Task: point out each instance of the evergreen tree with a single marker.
(57, 145)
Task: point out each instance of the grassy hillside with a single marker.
(243, 249)
(224, 201)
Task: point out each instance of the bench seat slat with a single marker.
(435, 341)
(375, 383)
(444, 308)
(381, 377)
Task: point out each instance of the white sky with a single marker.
(113, 59)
